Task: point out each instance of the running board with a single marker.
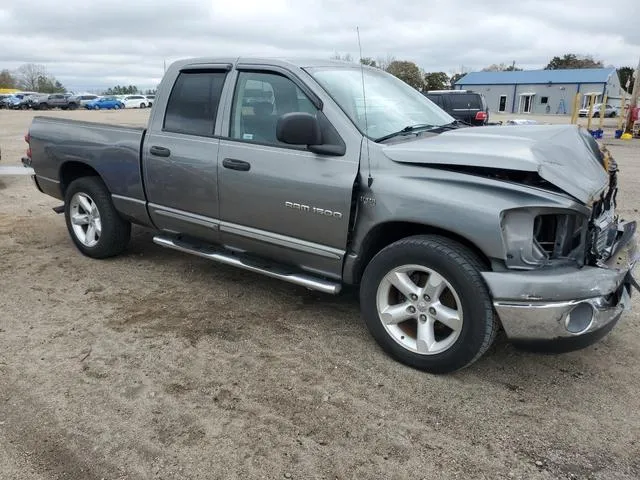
(278, 272)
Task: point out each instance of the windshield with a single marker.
(391, 104)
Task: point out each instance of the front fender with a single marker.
(467, 206)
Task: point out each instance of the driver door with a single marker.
(280, 201)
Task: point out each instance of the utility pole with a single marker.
(634, 98)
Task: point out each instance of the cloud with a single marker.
(93, 45)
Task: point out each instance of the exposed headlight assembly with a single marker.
(538, 237)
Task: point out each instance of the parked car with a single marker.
(135, 101)
(609, 111)
(77, 101)
(449, 232)
(108, 103)
(463, 105)
(4, 97)
(19, 101)
(150, 99)
(54, 100)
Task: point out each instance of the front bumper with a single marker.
(565, 309)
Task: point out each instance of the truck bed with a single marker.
(111, 150)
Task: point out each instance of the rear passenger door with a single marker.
(180, 157)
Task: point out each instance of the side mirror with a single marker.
(298, 128)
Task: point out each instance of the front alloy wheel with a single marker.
(425, 302)
(420, 309)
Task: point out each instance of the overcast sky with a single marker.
(95, 44)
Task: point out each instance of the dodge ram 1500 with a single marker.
(325, 174)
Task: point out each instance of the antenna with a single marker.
(364, 100)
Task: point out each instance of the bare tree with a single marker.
(29, 76)
(345, 58)
(384, 62)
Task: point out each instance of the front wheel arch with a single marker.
(384, 234)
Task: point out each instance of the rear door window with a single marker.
(193, 103)
(465, 101)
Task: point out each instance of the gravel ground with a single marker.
(158, 364)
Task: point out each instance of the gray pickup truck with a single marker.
(326, 175)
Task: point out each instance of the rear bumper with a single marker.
(569, 308)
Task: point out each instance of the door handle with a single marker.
(234, 164)
(159, 151)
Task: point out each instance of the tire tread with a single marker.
(469, 263)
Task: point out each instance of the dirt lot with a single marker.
(158, 364)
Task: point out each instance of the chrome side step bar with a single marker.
(221, 256)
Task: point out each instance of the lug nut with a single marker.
(432, 311)
(414, 297)
(423, 318)
(411, 309)
(427, 297)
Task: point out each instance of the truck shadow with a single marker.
(201, 300)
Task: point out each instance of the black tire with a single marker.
(116, 231)
(461, 268)
(142, 105)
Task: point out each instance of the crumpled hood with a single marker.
(564, 155)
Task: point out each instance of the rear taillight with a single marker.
(481, 116)
(27, 138)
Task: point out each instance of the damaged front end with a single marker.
(550, 237)
(573, 271)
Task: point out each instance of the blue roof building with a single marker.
(543, 91)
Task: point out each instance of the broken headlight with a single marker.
(538, 237)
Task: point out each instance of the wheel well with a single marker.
(387, 233)
(71, 171)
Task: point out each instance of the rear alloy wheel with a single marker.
(425, 302)
(142, 105)
(94, 224)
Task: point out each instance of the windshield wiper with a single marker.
(405, 131)
(423, 126)
(451, 126)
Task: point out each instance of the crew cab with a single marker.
(285, 168)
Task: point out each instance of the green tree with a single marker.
(572, 61)
(122, 90)
(7, 80)
(49, 85)
(368, 61)
(436, 81)
(408, 72)
(624, 74)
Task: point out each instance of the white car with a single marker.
(609, 111)
(135, 101)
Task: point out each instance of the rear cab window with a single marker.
(193, 103)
